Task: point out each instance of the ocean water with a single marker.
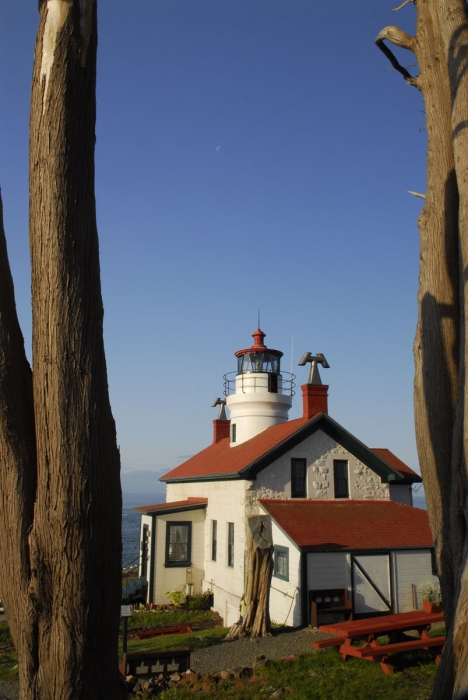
(131, 524)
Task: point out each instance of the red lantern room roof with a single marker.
(258, 346)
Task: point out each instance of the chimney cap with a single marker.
(222, 404)
(314, 375)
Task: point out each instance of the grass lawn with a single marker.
(8, 659)
(320, 675)
(197, 640)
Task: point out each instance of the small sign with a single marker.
(125, 611)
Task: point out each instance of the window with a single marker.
(273, 383)
(298, 478)
(214, 539)
(233, 432)
(230, 552)
(281, 563)
(340, 477)
(178, 543)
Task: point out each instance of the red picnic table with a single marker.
(392, 626)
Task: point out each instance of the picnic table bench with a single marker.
(148, 634)
(392, 626)
(144, 664)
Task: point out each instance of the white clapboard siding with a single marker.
(411, 568)
(326, 570)
(285, 599)
(401, 494)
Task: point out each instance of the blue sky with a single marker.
(251, 154)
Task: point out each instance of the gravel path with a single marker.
(242, 652)
(9, 690)
(222, 657)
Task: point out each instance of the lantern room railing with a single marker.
(251, 382)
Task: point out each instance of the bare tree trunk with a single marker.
(60, 478)
(437, 343)
(440, 46)
(256, 622)
(75, 540)
(17, 477)
(453, 22)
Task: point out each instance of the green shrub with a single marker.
(430, 591)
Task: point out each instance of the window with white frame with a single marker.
(178, 543)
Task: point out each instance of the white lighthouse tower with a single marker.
(259, 395)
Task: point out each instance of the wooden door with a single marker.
(372, 592)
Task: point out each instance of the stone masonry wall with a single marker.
(319, 451)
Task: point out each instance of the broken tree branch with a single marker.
(395, 9)
(399, 38)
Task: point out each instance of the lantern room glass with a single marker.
(258, 362)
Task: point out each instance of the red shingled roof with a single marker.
(338, 525)
(220, 458)
(173, 505)
(393, 461)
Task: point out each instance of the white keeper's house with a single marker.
(347, 539)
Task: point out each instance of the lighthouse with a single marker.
(258, 394)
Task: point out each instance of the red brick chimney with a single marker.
(314, 399)
(221, 429)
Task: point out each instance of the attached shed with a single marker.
(172, 544)
(334, 559)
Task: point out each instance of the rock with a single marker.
(241, 671)
(277, 694)
(226, 675)
(259, 657)
(261, 663)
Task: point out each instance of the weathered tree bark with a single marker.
(453, 21)
(440, 46)
(256, 622)
(61, 479)
(17, 476)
